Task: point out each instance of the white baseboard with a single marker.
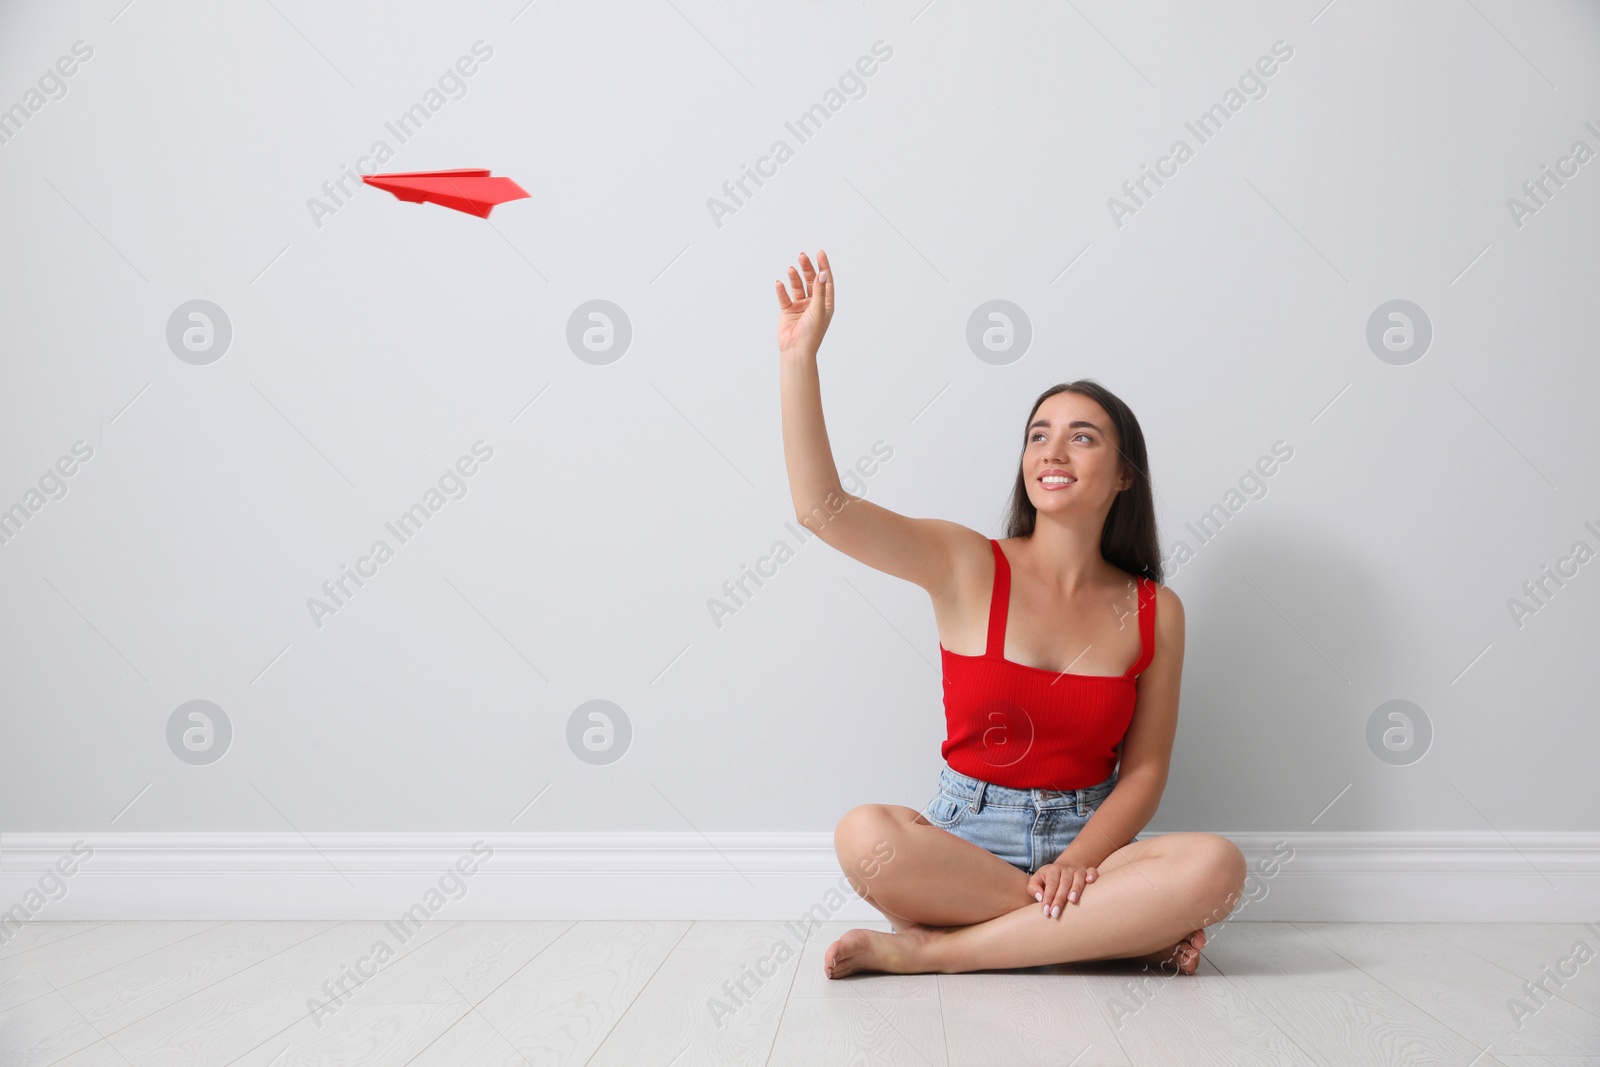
(1338, 877)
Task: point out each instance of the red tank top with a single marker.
(1031, 728)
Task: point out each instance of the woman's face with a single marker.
(1071, 436)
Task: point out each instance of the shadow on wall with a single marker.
(1298, 681)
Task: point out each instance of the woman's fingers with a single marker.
(1062, 890)
(797, 321)
(804, 281)
(1068, 888)
(809, 271)
(1052, 885)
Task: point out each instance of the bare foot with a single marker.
(903, 952)
(1185, 954)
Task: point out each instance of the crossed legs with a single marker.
(957, 907)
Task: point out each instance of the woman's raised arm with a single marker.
(921, 551)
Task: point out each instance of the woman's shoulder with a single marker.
(1169, 614)
(1165, 597)
(1169, 608)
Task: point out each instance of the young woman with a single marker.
(1062, 656)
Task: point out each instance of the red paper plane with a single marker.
(468, 189)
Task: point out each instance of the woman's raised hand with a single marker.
(803, 319)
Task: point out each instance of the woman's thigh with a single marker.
(1132, 852)
(960, 856)
(1196, 849)
(937, 879)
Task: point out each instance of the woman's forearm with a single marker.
(1126, 810)
(807, 454)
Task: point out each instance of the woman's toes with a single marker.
(849, 954)
(1189, 951)
(1184, 956)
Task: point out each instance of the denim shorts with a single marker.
(1027, 828)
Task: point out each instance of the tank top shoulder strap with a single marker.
(999, 602)
(1147, 626)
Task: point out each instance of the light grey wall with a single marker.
(373, 343)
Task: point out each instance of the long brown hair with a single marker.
(1128, 539)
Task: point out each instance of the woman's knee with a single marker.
(865, 840)
(862, 828)
(1219, 866)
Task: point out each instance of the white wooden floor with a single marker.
(641, 993)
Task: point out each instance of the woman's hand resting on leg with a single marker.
(1058, 884)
